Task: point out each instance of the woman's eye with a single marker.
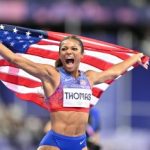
(63, 48)
(74, 49)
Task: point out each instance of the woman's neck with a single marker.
(74, 74)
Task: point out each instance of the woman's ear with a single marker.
(82, 55)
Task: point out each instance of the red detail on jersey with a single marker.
(55, 102)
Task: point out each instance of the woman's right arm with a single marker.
(38, 70)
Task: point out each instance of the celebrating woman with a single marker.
(68, 91)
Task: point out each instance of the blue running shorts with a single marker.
(64, 142)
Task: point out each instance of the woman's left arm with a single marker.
(114, 71)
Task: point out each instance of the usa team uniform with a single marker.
(72, 94)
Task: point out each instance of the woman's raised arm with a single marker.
(114, 71)
(38, 70)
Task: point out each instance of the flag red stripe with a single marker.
(97, 92)
(19, 80)
(43, 53)
(98, 63)
(4, 62)
(32, 97)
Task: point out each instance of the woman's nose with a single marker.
(69, 51)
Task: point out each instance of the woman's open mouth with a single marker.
(70, 61)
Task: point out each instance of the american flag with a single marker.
(42, 47)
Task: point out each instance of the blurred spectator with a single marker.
(93, 130)
(18, 131)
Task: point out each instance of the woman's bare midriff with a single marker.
(69, 123)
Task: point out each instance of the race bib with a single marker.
(75, 97)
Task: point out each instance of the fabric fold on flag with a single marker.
(42, 47)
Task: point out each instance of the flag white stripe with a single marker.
(38, 59)
(21, 73)
(94, 100)
(98, 44)
(106, 57)
(102, 86)
(1, 57)
(54, 48)
(51, 41)
(23, 89)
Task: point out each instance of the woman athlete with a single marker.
(67, 91)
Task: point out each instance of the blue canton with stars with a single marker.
(18, 39)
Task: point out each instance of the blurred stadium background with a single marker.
(124, 107)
